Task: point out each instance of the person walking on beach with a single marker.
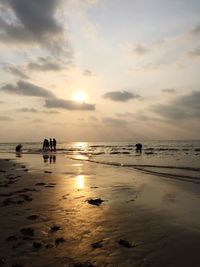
(51, 144)
(54, 144)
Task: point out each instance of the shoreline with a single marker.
(159, 218)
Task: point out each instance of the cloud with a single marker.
(5, 118)
(140, 50)
(88, 73)
(182, 107)
(31, 110)
(169, 90)
(194, 53)
(120, 96)
(27, 89)
(16, 71)
(109, 121)
(48, 64)
(68, 104)
(38, 120)
(31, 22)
(195, 30)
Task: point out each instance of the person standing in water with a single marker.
(54, 144)
(51, 144)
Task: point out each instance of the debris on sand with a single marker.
(96, 201)
(49, 245)
(38, 184)
(97, 244)
(37, 245)
(125, 243)
(47, 172)
(59, 240)
(27, 231)
(55, 228)
(84, 264)
(11, 238)
(33, 217)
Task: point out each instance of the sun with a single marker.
(79, 96)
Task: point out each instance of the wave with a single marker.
(151, 169)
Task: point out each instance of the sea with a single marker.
(170, 159)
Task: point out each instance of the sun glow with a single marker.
(79, 96)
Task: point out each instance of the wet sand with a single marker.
(52, 215)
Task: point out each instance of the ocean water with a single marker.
(171, 159)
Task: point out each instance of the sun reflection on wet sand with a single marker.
(80, 182)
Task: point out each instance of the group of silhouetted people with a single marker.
(49, 144)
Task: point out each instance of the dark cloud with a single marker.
(183, 107)
(140, 50)
(16, 71)
(109, 121)
(88, 73)
(32, 22)
(27, 89)
(169, 90)
(48, 64)
(51, 112)
(68, 104)
(125, 114)
(194, 53)
(31, 110)
(5, 118)
(120, 96)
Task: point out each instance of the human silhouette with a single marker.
(51, 144)
(54, 144)
(138, 147)
(45, 145)
(18, 148)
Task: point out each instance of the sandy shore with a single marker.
(49, 217)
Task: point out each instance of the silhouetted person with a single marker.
(138, 147)
(54, 144)
(50, 159)
(18, 148)
(51, 144)
(54, 158)
(45, 144)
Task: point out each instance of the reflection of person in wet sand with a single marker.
(45, 158)
(50, 159)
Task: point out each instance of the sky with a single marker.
(99, 70)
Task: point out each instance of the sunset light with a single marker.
(80, 96)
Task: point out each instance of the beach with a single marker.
(56, 211)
